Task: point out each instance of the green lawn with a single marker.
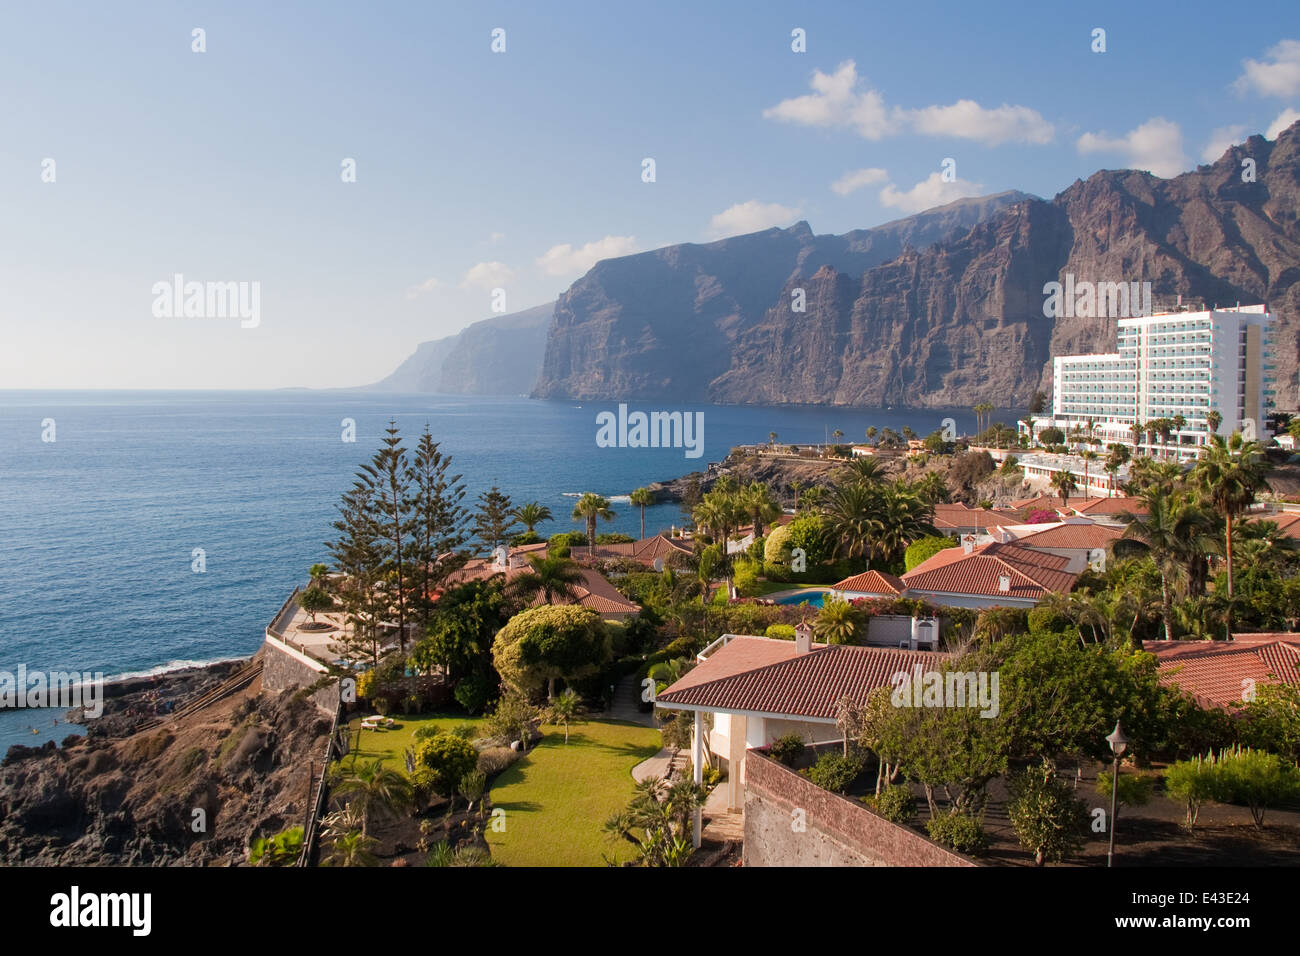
(389, 745)
(558, 796)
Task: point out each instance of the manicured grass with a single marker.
(390, 745)
(558, 796)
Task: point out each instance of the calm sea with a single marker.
(98, 527)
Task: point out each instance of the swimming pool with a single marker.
(810, 597)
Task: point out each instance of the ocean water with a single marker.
(98, 527)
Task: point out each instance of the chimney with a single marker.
(968, 543)
(803, 638)
(502, 558)
(1004, 583)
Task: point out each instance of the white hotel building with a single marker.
(1176, 363)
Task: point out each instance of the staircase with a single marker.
(235, 682)
(627, 701)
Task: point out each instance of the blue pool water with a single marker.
(811, 598)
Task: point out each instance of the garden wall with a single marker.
(837, 831)
(285, 668)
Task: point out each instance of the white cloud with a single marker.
(836, 101)
(1277, 76)
(966, 119)
(928, 193)
(858, 178)
(1284, 119)
(488, 275)
(1220, 140)
(563, 260)
(1156, 145)
(496, 236)
(842, 99)
(752, 216)
(427, 286)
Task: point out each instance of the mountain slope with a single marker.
(662, 324)
(496, 356)
(948, 321)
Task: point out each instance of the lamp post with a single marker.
(1118, 744)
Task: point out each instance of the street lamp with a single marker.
(1118, 744)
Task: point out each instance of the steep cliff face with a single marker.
(663, 324)
(498, 356)
(954, 318)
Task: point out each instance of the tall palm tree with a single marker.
(871, 432)
(376, 790)
(1230, 473)
(757, 501)
(532, 514)
(901, 518)
(1088, 456)
(590, 507)
(853, 510)
(1064, 483)
(1212, 421)
(551, 577)
(643, 498)
(1137, 430)
(1173, 529)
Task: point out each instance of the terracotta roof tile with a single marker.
(1217, 673)
(872, 582)
(1072, 536)
(805, 685)
(952, 571)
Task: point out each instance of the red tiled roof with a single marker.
(645, 551)
(1288, 522)
(960, 516)
(952, 571)
(872, 582)
(1069, 535)
(1217, 673)
(1087, 506)
(740, 654)
(805, 685)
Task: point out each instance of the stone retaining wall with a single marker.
(836, 831)
(285, 667)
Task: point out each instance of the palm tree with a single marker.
(771, 438)
(871, 432)
(853, 510)
(1137, 430)
(758, 503)
(549, 576)
(590, 507)
(643, 498)
(835, 623)
(1088, 455)
(564, 710)
(375, 790)
(1179, 422)
(1028, 422)
(902, 517)
(1212, 421)
(1064, 483)
(1173, 530)
(837, 435)
(865, 470)
(532, 514)
(1230, 473)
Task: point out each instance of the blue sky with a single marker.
(479, 170)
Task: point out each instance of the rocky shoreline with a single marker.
(191, 791)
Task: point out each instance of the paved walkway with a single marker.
(721, 825)
(655, 767)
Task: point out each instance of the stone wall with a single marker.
(284, 667)
(837, 831)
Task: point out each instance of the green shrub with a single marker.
(924, 548)
(1192, 783)
(787, 749)
(474, 692)
(835, 772)
(1255, 779)
(745, 578)
(895, 803)
(1049, 820)
(784, 632)
(958, 831)
(776, 549)
(1134, 789)
(448, 758)
(1047, 620)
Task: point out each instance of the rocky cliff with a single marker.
(943, 309)
(665, 324)
(497, 356)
